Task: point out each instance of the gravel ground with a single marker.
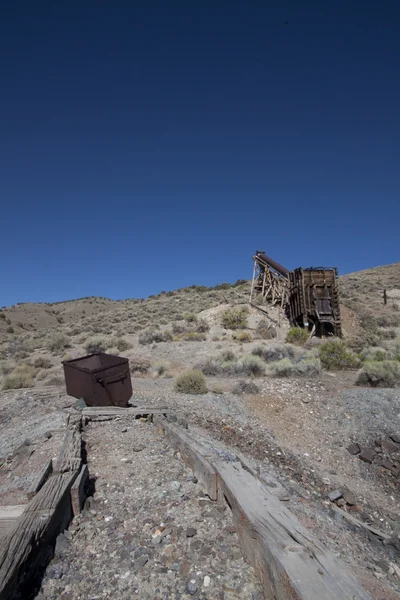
(148, 531)
(294, 432)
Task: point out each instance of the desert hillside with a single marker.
(315, 421)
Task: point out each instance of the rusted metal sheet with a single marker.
(100, 379)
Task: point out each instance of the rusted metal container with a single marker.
(100, 379)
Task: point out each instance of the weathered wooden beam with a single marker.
(358, 523)
(291, 563)
(121, 411)
(194, 455)
(70, 457)
(78, 490)
(44, 518)
(39, 480)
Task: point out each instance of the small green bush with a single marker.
(335, 356)
(382, 373)
(191, 382)
(227, 355)
(96, 343)
(138, 364)
(253, 365)
(191, 336)
(58, 343)
(161, 367)
(190, 317)
(242, 336)
(122, 344)
(42, 363)
(21, 377)
(297, 336)
(202, 326)
(265, 330)
(234, 318)
(306, 367)
(273, 352)
(153, 335)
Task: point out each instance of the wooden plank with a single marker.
(45, 517)
(40, 479)
(70, 458)
(290, 562)
(118, 411)
(194, 455)
(358, 523)
(78, 490)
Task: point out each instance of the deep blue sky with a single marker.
(146, 146)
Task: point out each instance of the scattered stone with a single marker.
(349, 497)
(388, 447)
(141, 561)
(207, 581)
(386, 464)
(192, 585)
(156, 540)
(124, 430)
(230, 529)
(80, 404)
(62, 545)
(137, 448)
(335, 495)
(54, 571)
(176, 486)
(353, 448)
(395, 437)
(367, 455)
(48, 435)
(190, 532)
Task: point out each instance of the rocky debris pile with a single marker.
(148, 531)
(385, 453)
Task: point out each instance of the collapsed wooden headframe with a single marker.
(310, 296)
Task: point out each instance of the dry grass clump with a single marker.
(21, 377)
(307, 367)
(297, 336)
(154, 335)
(58, 342)
(42, 362)
(242, 336)
(265, 330)
(335, 356)
(235, 318)
(139, 364)
(380, 373)
(191, 381)
(274, 352)
(96, 343)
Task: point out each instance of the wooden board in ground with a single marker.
(194, 456)
(116, 411)
(290, 562)
(27, 545)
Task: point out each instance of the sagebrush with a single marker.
(191, 381)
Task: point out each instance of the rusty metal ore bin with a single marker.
(100, 379)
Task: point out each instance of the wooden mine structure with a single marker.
(309, 296)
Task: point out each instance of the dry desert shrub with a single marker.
(191, 381)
